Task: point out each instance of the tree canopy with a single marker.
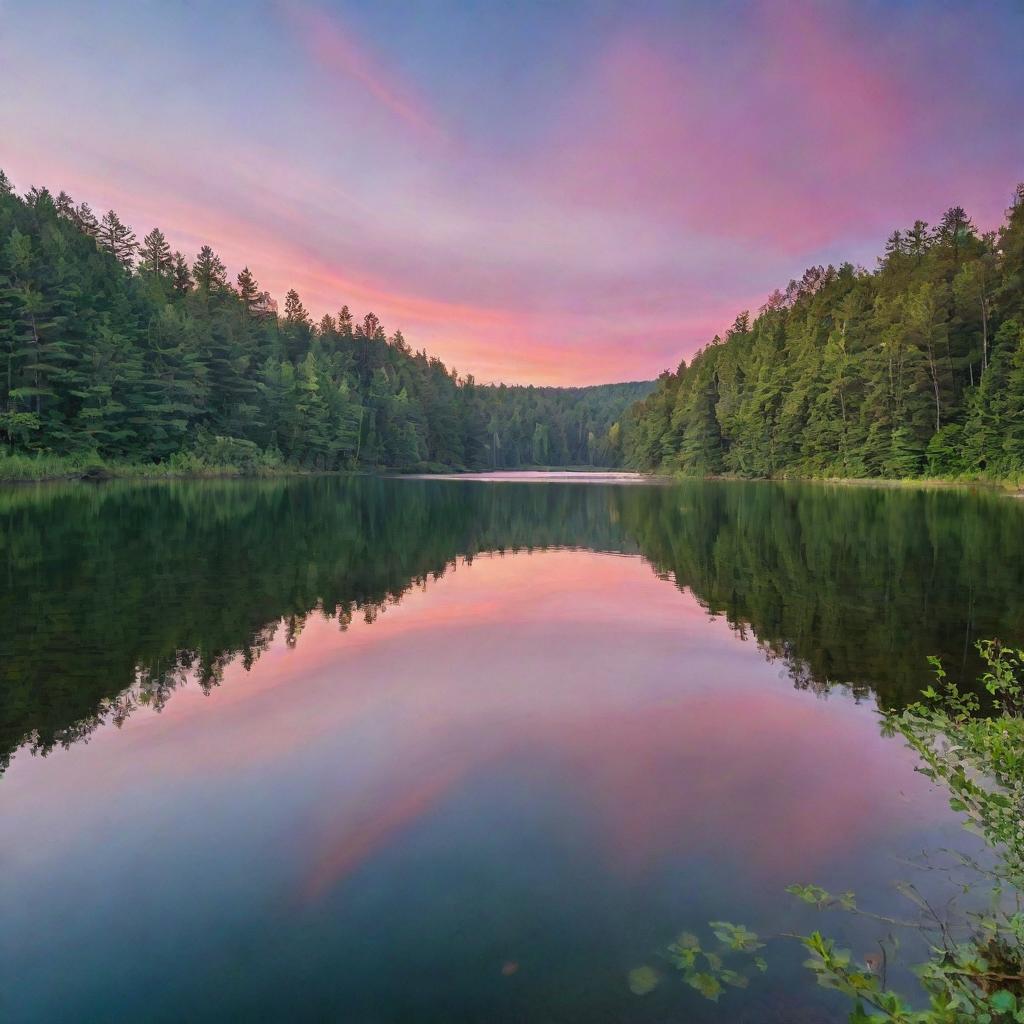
(913, 369)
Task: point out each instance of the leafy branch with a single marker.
(975, 970)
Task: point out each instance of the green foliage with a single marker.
(124, 350)
(974, 974)
(916, 368)
(978, 756)
(642, 980)
(213, 451)
(705, 968)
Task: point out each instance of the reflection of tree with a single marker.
(844, 584)
(112, 597)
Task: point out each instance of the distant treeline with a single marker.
(121, 350)
(915, 368)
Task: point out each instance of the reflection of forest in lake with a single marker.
(112, 595)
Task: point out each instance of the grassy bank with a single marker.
(36, 468)
(40, 467)
(217, 458)
(20, 468)
(1011, 485)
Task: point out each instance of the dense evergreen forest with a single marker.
(115, 349)
(915, 368)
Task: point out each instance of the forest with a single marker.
(121, 352)
(915, 368)
(115, 350)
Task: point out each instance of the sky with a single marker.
(536, 192)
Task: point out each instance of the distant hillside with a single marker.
(547, 426)
(914, 368)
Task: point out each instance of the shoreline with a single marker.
(1012, 488)
(97, 473)
(100, 474)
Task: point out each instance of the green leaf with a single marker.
(734, 978)
(642, 980)
(709, 987)
(1003, 1001)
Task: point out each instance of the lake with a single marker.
(385, 750)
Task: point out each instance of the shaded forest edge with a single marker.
(912, 370)
(119, 357)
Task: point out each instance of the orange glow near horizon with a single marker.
(533, 194)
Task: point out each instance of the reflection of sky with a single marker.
(528, 728)
(537, 192)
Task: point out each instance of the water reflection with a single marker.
(553, 759)
(111, 596)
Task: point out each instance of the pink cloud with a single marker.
(348, 59)
(676, 179)
(811, 126)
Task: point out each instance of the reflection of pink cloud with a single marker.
(691, 778)
(663, 734)
(744, 786)
(361, 839)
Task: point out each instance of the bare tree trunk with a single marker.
(35, 373)
(935, 385)
(984, 331)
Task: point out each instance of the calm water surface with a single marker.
(367, 750)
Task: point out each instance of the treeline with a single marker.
(118, 349)
(915, 368)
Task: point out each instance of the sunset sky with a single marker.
(556, 193)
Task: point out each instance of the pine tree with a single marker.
(895, 250)
(313, 413)
(38, 196)
(208, 272)
(248, 289)
(118, 239)
(65, 206)
(297, 330)
(345, 322)
(155, 256)
(917, 240)
(954, 228)
(85, 220)
(294, 311)
(28, 365)
(181, 276)
(370, 326)
(175, 382)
